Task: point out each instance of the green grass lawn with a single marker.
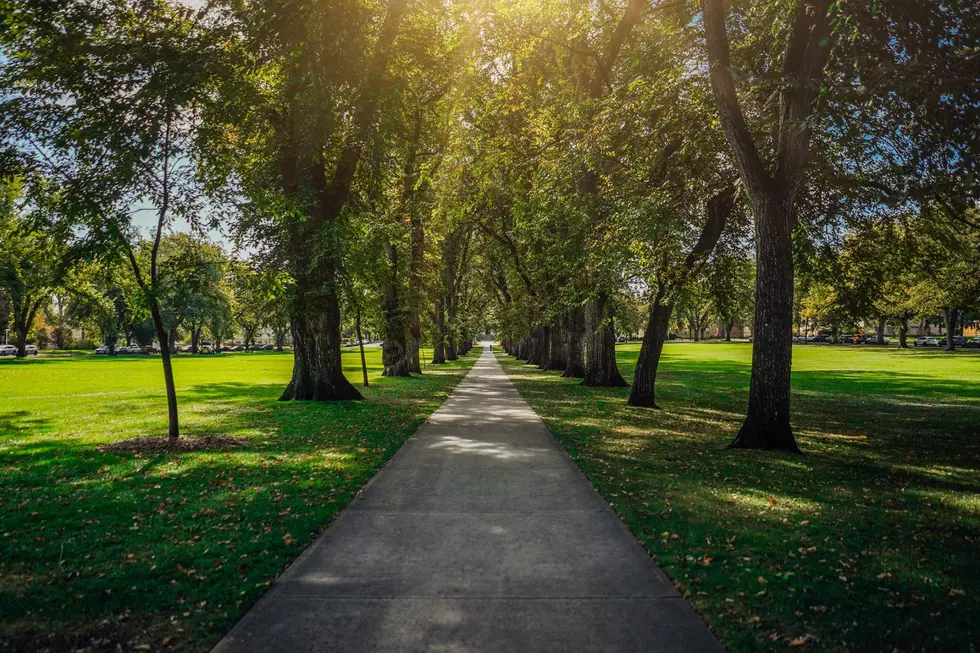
(102, 550)
(868, 542)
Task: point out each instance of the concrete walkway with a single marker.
(480, 534)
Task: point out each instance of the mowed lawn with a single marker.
(107, 552)
(868, 542)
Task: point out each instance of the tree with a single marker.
(772, 187)
(33, 258)
(106, 104)
(731, 284)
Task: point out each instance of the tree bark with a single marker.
(439, 342)
(394, 350)
(600, 361)
(767, 424)
(880, 335)
(317, 369)
(903, 334)
(952, 316)
(360, 344)
(645, 377)
(574, 337)
(556, 354)
(544, 347)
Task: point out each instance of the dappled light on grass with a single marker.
(132, 548)
(868, 541)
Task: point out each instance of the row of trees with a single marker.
(916, 269)
(537, 165)
(50, 288)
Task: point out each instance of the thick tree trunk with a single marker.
(880, 334)
(394, 356)
(195, 334)
(728, 331)
(556, 354)
(544, 347)
(318, 373)
(903, 334)
(21, 331)
(574, 339)
(534, 346)
(834, 335)
(173, 431)
(414, 345)
(645, 378)
(767, 424)
(952, 317)
(600, 359)
(451, 353)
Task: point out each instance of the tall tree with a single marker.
(772, 184)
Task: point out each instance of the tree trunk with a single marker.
(600, 360)
(574, 337)
(21, 330)
(439, 342)
(952, 316)
(880, 339)
(728, 331)
(195, 333)
(556, 354)
(173, 431)
(645, 377)
(834, 335)
(360, 344)
(534, 346)
(317, 370)
(767, 424)
(544, 347)
(394, 350)
(451, 353)
(903, 334)
(414, 345)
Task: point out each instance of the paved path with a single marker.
(480, 534)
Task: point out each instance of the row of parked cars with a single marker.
(845, 339)
(11, 350)
(205, 348)
(872, 339)
(940, 341)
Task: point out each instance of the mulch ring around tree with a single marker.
(184, 444)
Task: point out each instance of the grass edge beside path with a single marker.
(118, 551)
(868, 542)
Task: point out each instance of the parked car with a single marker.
(820, 338)
(102, 351)
(8, 350)
(959, 341)
(926, 341)
(236, 348)
(205, 349)
(973, 343)
(872, 339)
(129, 349)
(621, 339)
(31, 350)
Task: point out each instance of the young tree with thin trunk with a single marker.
(106, 108)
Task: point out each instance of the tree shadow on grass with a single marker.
(198, 535)
(876, 524)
